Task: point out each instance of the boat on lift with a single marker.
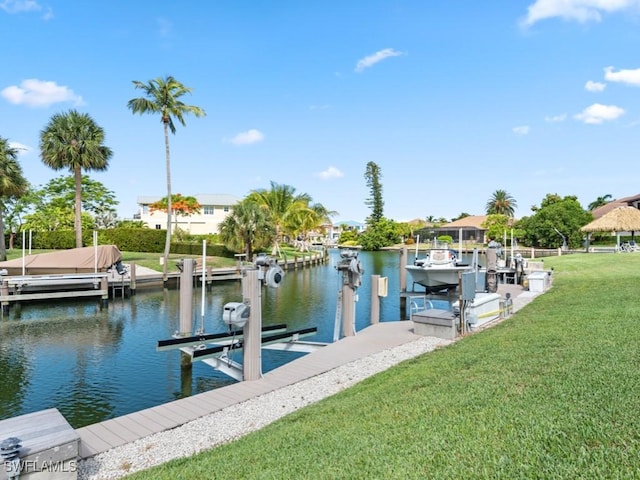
(439, 270)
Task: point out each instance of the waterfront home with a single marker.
(214, 209)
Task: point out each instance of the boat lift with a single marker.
(246, 332)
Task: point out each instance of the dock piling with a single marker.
(5, 293)
(375, 299)
(104, 286)
(252, 353)
(186, 298)
(403, 282)
(132, 278)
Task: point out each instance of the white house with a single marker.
(215, 208)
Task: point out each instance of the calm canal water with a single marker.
(93, 365)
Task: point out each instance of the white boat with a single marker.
(439, 270)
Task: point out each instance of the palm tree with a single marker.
(246, 227)
(74, 141)
(308, 219)
(600, 201)
(501, 203)
(282, 206)
(12, 184)
(162, 96)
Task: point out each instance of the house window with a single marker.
(145, 209)
(208, 210)
(226, 208)
(158, 226)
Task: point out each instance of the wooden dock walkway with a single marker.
(103, 436)
(100, 437)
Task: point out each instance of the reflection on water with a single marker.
(96, 364)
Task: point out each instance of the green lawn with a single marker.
(553, 392)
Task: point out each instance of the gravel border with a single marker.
(235, 421)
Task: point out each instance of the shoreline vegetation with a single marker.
(148, 260)
(549, 393)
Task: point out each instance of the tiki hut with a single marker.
(620, 219)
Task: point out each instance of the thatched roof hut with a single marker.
(620, 219)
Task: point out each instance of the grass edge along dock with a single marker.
(548, 393)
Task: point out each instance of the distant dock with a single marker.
(102, 286)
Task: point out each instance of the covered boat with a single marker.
(75, 260)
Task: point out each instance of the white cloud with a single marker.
(556, 118)
(248, 137)
(40, 93)
(22, 149)
(19, 6)
(331, 172)
(630, 77)
(591, 86)
(371, 60)
(579, 10)
(522, 130)
(25, 6)
(597, 113)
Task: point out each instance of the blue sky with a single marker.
(452, 99)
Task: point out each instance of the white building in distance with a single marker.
(214, 209)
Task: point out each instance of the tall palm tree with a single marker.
(282, 205)
(600, 201)
(74, 141)
(246, 227)
(162, 96)
(501, 203)
(12, 184)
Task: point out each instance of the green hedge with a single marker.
(126, 239)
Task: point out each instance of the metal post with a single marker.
(252, 354)
(375, 300)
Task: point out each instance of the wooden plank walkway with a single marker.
(100, 437)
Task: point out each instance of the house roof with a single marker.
(620, 202)
(203, 199)
(472, 221)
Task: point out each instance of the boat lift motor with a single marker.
(351, 268)
(10, 455)
(269, 271)
(235, 315)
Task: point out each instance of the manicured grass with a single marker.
(152, 260)
(552, 392)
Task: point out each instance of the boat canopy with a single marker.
(74, 260)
